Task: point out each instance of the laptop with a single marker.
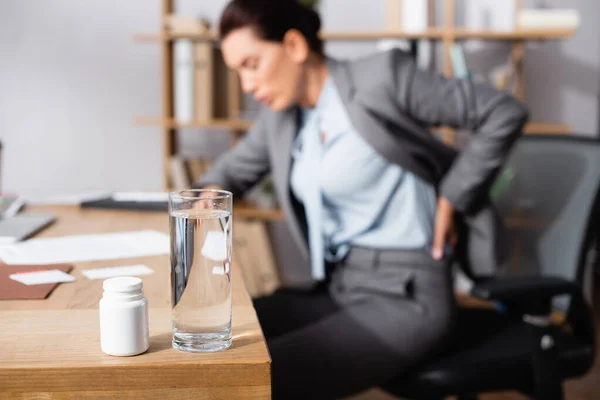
(23, 226)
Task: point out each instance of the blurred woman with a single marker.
(378, 205)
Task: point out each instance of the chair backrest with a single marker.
(548, 194)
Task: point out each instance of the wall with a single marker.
(562, 83)
(71, 81)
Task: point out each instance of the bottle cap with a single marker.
(123, 284)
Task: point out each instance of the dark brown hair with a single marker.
(271, 19)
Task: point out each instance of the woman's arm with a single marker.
(243, 166)
(494, 117)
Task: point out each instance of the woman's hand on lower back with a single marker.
(444, 230)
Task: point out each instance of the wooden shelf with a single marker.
(236, 125)
(547, 129)
(431, 33)
(518, 34)
(448, 135)
(533, 128)
(244, 210)
(458, 33)
(159, 37)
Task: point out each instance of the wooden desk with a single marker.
(51, 347)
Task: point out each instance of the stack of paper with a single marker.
(24, 282)
(79, 248)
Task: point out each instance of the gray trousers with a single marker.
(379, 313)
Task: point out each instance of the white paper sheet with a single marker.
(79, 248)
(141, 196)
(104, 273)
(42, 277)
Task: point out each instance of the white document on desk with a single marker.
(69, 249)
(141, 196)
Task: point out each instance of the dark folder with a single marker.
(111, 203)
(13, 290)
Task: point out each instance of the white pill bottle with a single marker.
(124, 317)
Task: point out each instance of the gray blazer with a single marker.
(391, 103)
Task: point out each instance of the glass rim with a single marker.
(221, 194)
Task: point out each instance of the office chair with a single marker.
(552, 208)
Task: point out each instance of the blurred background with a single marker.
(104, 96)
(73, 79)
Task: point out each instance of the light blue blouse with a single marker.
(367, 201)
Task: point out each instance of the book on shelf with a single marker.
(411, 17)
(548, 18)
(196, 167)
(488, 15)
(180, 25)
(502, 77)
(199, 74)
(179, 175)
(183, 80)
(220, 86)
(203, 82)
(407, 16)
(459, 62)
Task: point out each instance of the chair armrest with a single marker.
(531, 295)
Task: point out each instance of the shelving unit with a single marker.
(517, 35)
(448, 34)
(432, 34)
(247, 211)
(232, 124)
